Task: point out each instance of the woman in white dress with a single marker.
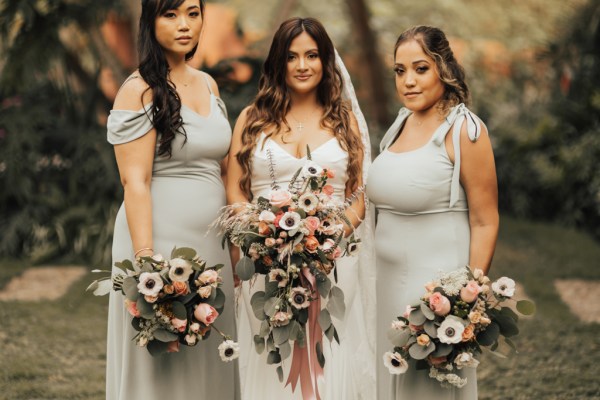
(300, 104)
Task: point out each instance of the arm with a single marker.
(224, 161)
(134, 160)
(478, 177)
(356, 212)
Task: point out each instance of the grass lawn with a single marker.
(56, 350)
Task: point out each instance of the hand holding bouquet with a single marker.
(172, 302)
(447, 328)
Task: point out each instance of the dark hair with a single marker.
(154, 69)
(434, 43)
(272, 103)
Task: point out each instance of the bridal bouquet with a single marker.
(172, 302)
(292, 239)
(459, 314)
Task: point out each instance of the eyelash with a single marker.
(172, 14)
(420, 70)
(311, 56)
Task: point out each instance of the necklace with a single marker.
(300, 125)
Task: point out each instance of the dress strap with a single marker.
(208, 83)
(392, 133)
(457, 117)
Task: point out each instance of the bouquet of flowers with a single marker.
(172, 301)
(458, 315)
(292, 238)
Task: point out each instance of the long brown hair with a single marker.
(272, 103)
(434, 43)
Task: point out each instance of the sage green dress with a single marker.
(187, 193)
(422, 229)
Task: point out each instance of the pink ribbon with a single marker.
(305, 367)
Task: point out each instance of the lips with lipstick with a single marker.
(183, 39)
(411, 95)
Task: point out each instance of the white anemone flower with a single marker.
(451, 330)
(353, 248)
(299, 298)
(229, 350)
(290, 220)
(504, 287)
(180, 270)
(395, 363)
(308, 202)
(312, 169)
(150, 283)
(278, 275)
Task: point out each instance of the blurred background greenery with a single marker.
(533, 66)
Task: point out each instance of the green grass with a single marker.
(56, 350)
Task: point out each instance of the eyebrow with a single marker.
(413, 63)
(307, 51)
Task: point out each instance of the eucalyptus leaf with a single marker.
(427, 312)
(104, 287)
(179, 310)
(136, 323)
(329, 333)
(146, 310)
(259, 344)
(258, 303)
(295, 330)
(494, 346)
(183, 252)
(280, 374)
(273, 357)
(431, 329)
(271, 288)
(271, 306)
(92, 286)
(417, 317)
(506, 311)
(489, 335)
(265, 328)
(125, 265)
(188, 297)
(156, 347)
(335, 335)
(419, 352)
(219, 301)
(526, 307)
(498, 354)
(442, 350)
(323, 285)
(508, 326)
(270, 344)
(298, 239)
(398, 337)
(324, 319)
(281, 334)
(245, 268)
(303, 315)
(130, 288)
(336, 305)
(320, 356)
(511, 344)
(164, 336)
(285, 350)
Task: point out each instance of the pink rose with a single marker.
(270, 242)
(205, 313)
(436, 360)
(407, 312)
(209, 276)
(328, 244)
(181, 288)
(312, 224)
(179, 324)
(205, 291)
(328, 190)
(470, 292)
(276, 221)
(132, 308)
(281, 318)
(173, 347)
(439, 304)
(330, 173)
(280, 198)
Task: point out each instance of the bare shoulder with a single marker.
(134, 94)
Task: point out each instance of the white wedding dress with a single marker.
(348, 372)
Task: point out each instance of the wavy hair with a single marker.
(272, 103)
(154, 69)
(434, 43)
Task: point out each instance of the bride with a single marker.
(300, 105)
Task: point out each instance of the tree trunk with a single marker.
(373, 66)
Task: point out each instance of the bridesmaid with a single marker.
(170, 133)
(434, 185)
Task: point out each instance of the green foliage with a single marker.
(549, 169)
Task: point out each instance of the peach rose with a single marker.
(330, 173)
(270, 242)
(468, 333)
(312, 224)
(475, 317)
(168, 289)
(470, 292)
(423, 340)
(328, 190)
(151, 299)
(132, 308)
(439, 304)
(209, 276)
(267, 260)
(205, 291)
(173, 347)
(311, 244)
(181, 288)
(277, 219)
(205, 313)
(263, 228)
(436, 360)
(280, 198)
(179, 324)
